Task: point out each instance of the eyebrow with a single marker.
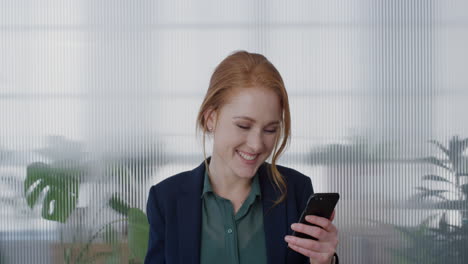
(253, 120)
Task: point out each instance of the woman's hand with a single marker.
(319, 251)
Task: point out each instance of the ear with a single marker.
(210, 119)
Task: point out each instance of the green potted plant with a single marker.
(441, 242)
(55, 186)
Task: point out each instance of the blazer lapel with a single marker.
(274, 219)
(189, 217)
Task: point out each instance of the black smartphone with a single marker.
(319, 204)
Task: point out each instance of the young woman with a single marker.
(235, 207)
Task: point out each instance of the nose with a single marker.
(255, 141)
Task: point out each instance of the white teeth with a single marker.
(247, 157)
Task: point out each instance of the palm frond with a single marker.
(441, 147)
(432, 177)
(435, 161)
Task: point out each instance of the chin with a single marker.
(247, 172)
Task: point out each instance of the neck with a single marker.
(226, 184)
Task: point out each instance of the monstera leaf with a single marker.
(119, 205)
(138, 233)
(60, 188)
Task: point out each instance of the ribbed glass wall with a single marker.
(98, 101)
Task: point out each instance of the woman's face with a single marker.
(245, 130)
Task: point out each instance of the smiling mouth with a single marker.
(247, 156)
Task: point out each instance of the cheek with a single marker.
(227, 139)
(270, 142)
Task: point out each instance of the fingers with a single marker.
(317, 251)
(323, 227)
(320, 250)
(322, 222)
(330, 236)
(309, 244)
(317, 256)
(312, 231)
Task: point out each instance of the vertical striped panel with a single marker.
(98, 101)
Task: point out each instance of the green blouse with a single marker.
(232, 238)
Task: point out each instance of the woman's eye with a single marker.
(271, 131)
(243, 127)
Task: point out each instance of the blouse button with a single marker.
(229, 231)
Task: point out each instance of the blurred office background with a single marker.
(98, 101)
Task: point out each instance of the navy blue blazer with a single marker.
(174, 214)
